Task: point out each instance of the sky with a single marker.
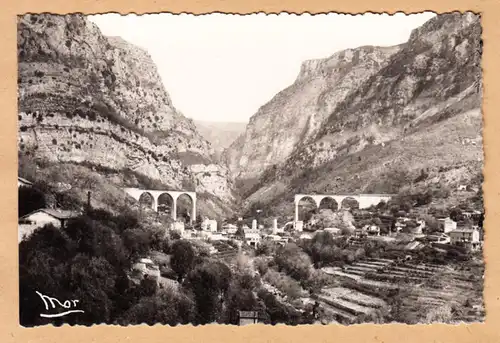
(222, 68)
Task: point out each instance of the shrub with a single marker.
(293, 261)
(290, 287)
(29, 200)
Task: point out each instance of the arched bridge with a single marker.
(136, 193)
(364, 200)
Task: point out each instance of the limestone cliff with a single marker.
(417, 108)
(294, 116)
(94, 100)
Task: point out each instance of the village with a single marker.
(376, 253)
(465, 233)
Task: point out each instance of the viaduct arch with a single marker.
(136, 193)
(364, 200)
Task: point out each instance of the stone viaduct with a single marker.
(136, 193)
(364, 200)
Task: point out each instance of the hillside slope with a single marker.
(295, 115)
(420, 110)
(96, 101)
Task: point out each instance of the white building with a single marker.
(448, 224)
(252, 237)
(146, 266)
(306, 236)
(229, 228)
(333, 230)
(372, 230)
(178, 226)
(466, 237)
(209, 225)
(440, 238)
(41, 217)
(23, 182)
(219, 236)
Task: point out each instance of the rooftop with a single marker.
(462, 229)
(59, 214)
(24, 180)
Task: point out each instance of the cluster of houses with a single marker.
(450, 232)
(253, 236)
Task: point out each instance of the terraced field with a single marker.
(380, 290)
(225, 251)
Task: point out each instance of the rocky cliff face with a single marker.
(410, 108)
(94, 100)
(294, 116)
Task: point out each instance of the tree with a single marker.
(198, 222)
(183, 256)
(209, 282)
(240, 232)
(293, 261)
(29, 200)
(431, 224)
(456, 214)
(381, 206)
(277, 311)
(240, 296)
(166, 307)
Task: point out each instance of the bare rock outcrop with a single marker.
(99, 101)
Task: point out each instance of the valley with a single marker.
(157, 218)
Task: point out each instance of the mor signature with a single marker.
(68, 305)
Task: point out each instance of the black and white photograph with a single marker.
(181, 169)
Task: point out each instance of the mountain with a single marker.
(220, 134)
(99, 102)
(294, 115)
(371, 119)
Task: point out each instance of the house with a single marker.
(468, 237)
(306, 236)
(333, 230)
(41, 217)
(23, 182)
(205, 235)
(229, 227)
(416, 228)
(248, 317)
(272, 237)
(209, 225)
(146, 266)
(372, 230)
(359, 233)
(219, 236)
(447, 224)
(252, 237)
(178, 226)
(441, 238)
(399, 226)
(299, 226)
